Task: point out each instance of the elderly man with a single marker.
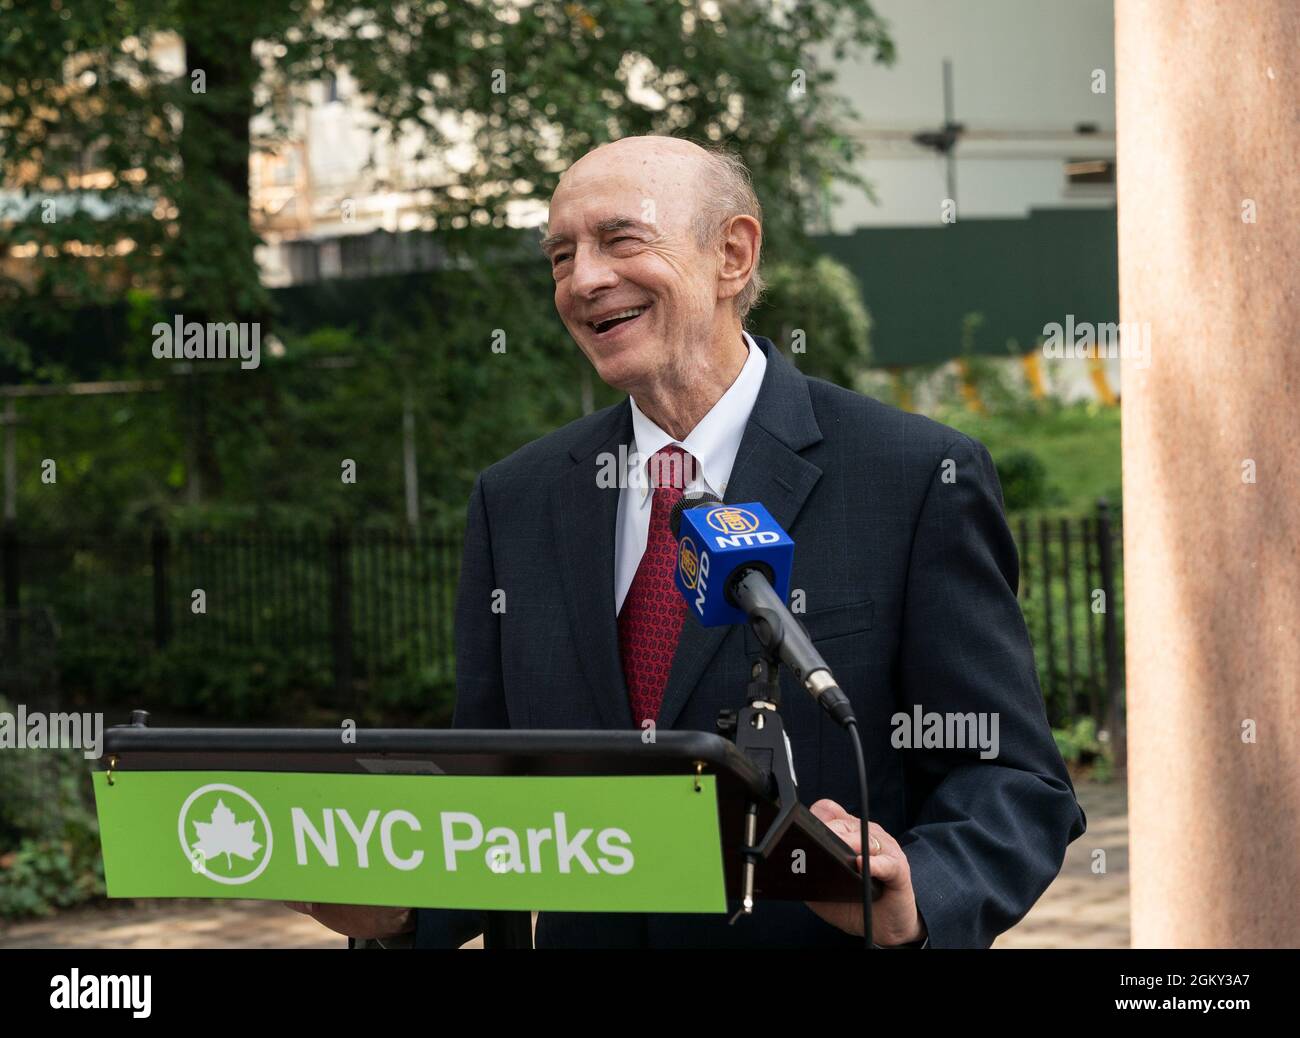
(903, 556)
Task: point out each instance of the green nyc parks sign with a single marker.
(607, 844)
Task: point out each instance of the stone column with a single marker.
(1208, 115)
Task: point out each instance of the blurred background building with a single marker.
(992, 134)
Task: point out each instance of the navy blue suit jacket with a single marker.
(910, 575)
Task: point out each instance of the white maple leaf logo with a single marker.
(221, 834)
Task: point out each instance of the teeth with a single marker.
(636, 311)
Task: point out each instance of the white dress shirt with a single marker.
(713, 443)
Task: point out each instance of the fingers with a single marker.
(827, 811)
(846, 826)
(894, 913)
(881, 841)
(881, 844)
(888, 869)
(848, 830)
(888, 862)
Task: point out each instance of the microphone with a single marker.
(733, 566)
(714, 543)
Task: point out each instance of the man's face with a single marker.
(621, 226)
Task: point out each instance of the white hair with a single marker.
(728, 192)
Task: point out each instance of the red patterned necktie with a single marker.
(654, 609)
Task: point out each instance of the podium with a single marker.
(358, 808)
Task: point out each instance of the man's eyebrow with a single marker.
(614, 223)
(551, 241)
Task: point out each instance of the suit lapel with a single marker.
(584, 514)
(768, 469)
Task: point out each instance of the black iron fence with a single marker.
(1072, 595)
(281, 618)
(268, 622)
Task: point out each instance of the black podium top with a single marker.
(829, 869)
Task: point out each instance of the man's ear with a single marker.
(741, 243)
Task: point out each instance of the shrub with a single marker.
(1024, 479)
(49, 834)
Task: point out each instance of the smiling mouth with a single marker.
(632, 313)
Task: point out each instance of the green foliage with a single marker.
(998, 390)
(42, 875)
(1078, 742)
(540, 84)
(1078, 444)
(239, 683)
(1051, 457)
(245, 684)
(49, 835)
(277, 435)
(1069, 690)
(1024, 479)
(565, 67)
(1079, 745)
(83, 91)
(813, 312)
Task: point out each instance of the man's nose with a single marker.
(591, 271)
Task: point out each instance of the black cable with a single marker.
(852, 725)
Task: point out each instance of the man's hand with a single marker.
(361, 921)
(894, 918)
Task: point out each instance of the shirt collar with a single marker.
(715, 440)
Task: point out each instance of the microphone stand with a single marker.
(757, 729)
(760, 735)
(758, 732)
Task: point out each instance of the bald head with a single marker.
(650, 264)
(682, 185)
(675, 156)
(667, 172)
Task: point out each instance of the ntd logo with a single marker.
(693, 572)
(748, 540)
(714, 541)
(740, 527)
(731, 520)
(702, 584)
(688, 562)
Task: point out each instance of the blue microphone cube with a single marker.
(713, 541)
